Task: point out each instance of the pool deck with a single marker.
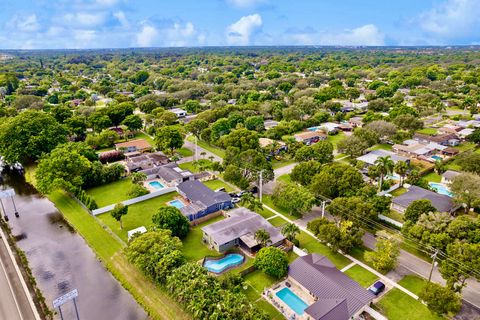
(151, 188)
(282, 307)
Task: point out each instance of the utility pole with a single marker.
(196, 149)
(323, 208)
(434, 257)
(4, 212)
(261, 185)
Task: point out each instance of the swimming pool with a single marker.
(436, 158)
(156, 185)
(292, 300)
(440, 188)
(313, 128)
(176, 203)
(220, 265)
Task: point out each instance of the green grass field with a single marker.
(217, 184)
(278, 164)
(184, 152)
(285, 178)
(413, 283)
(111, 193)
(313, 245)
(194, 167)
(335, 139)
(277, 221)
(267, 200)
(219, 152)
(364, 277)
(396, 305)
(433, 177)
(429, 131)
(398, 192)
(382, 146)
(139, 214)
(193, 247)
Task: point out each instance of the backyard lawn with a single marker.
(184, 152)
(335, 139)
(219, 152)
(139, 214)
(217, 184)
(195, 167)
(396, 305)
(193, 247)
(277, 221)
(429, 131)
(398, 192)
(111, 193)
(382, 146)
(433, 177)
(364, 277)
(314, 246)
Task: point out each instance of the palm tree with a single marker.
(439, 167)
(290, 231)
(385, 166)
(263, 237)
(401, 169)
(249, 201)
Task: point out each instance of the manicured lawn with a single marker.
(139, 214)
(433, 177)
(364, 277)
(382, 146)
(267, 200)
(217, 184)
(153, 298)
(413, 283)
(285, 178)
(396, 305)
(313, 245)
(265, 213)
(398, 192)
(429, 131)
(194, 167)
(335, 139)
(219, 152)
(277, 221)
(282, 163)
(273, 313)
(193, 247)
(111, 193)
(184, 152)
(142, 135)
(394, 215)
(465, 146)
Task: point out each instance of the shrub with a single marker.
(111, 156)
(272, 261)
(172, 219)
(137, 190)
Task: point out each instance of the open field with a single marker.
(111, 193)
(364, 277)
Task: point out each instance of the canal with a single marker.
(61, 260)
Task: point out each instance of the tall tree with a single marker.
(466, 190)
(401, 168)
(262, 237)
(290, 231)
(172, 219)
(249, 201)
(118, 212)
(385, 166)
(168, 138)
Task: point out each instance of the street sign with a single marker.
(8, 193)
(65, 298)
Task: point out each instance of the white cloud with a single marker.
(453, 18)
(245, 3)
(240, 32)
(106, 3)
(120, 16)
(367, 35)
(86, 19)
(146, 36)
(24, 23)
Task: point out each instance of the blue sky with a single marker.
(51, 24)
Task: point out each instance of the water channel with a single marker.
(62, 261)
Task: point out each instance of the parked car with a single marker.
(253, 190)
(236, 200)
(220, 189)
(377, 288)
(232, 194)
(241, 193)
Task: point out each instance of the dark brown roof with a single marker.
(328, 284)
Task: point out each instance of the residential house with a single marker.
(449, 129)
(138, 145)
(442, 203)
(443, 139)
(169, 173)
(265, 142)
(448, 176)
(239, 229)
(355, 122)
(371, 157)
(336, 296)
(143, 161)
(421, 150)
(202, 201)
(180, 113)
(329, 127)
(310, 137)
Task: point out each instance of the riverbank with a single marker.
(109, 250)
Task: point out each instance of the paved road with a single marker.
(268, 187)
(14, 301)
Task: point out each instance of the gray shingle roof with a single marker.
(197, 192)
(441, 202)
(240, 222)
(320, 276)
(450, 174)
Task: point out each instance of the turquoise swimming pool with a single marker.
(440, 188)
(220, 265)
(292, 300)
(176, 203)
(156, 185)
